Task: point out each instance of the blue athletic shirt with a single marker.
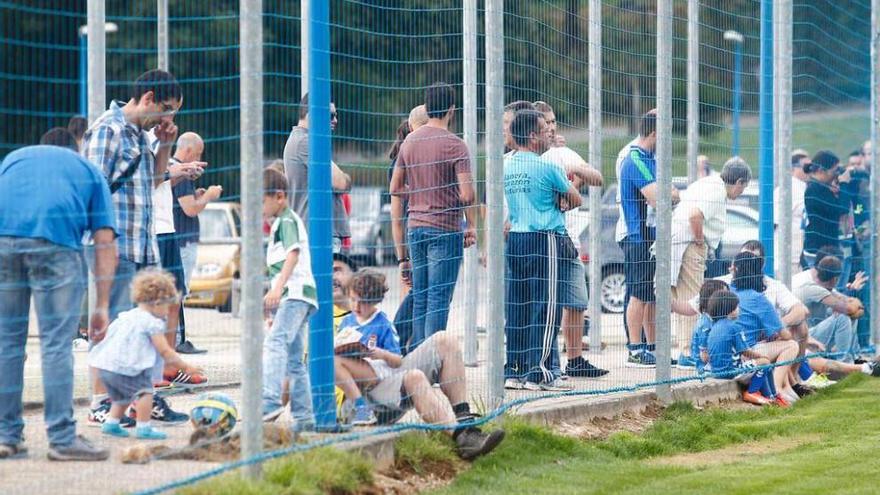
(637, 170)
(727, 340)
(700, 338)
(51, 193)
(757, 316)
(532, 187)
(379, 326)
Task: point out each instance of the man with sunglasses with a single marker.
(296, 168)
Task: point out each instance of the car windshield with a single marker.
(214, 224)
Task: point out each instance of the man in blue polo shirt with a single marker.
(638, 197)
(49, 198)
(538, 248)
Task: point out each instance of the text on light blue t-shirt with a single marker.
(727, 340)
(51, 193)
(532, 187)
(757, 316)
(378, 327)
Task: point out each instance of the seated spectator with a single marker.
(727, 346)
(699, 306)
(377, 336)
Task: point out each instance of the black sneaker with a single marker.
(580, 367)
(472, 442)
(161, 412)
(802, 390)
(80, 450)
(187, 347)
(98, 415)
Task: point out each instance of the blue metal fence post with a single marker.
(765, 176)
(320, 217)
(83, 74)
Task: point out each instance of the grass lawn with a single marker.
(829, 443)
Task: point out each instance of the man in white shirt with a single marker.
(697, 225)
(574, 297)
(798, 187)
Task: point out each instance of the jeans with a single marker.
(189, 255)
(55, 277)
(403, 323)
(838, 335)
(283, 350)
(436, 257)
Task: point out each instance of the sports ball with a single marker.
(214, 414)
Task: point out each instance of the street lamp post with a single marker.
(109, 27)
(738, 39)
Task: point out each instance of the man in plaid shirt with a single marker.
(121, 144)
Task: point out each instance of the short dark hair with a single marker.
(648, 125)
(274, 182)
(304, 106)
(708, 288)
(824, 160)
(829, 268)
(77, 125)
(857, 153)
(163, 85)
(439, 98)
(721, 304)
(516, 106)
(754, 246)
(826, 251)
(797, 157)
(59, 136)
(369, 285)
(523, 124)
(748, 272)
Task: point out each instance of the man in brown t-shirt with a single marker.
(433, 171)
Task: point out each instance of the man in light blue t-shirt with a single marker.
(49, 198)
(538, 247)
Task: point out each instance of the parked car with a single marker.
(742, 225)
(370, 221)
(218, 258)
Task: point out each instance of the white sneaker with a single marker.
(513, 384)
(818, 380)
(555, 386)
(531, 386)
(80, 345)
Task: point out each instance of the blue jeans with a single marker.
(56, 278)
(189, 255)
(120, 291)
(283, 350)
(436, 258)
(838, 335)
(403, 323)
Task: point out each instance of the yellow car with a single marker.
(219, 253)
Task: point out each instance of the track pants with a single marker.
(532, 308)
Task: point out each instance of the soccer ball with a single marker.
(214, 414)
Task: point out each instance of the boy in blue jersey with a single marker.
(638, 197)
(700, 337)
(727, 347)
(378, 336)
(538, 255)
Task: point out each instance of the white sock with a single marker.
(97, 399)
(144, 424)
(867, 369)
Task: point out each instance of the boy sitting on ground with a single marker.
(727, 346)
(699, 306)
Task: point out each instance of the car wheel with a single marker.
(613, 290)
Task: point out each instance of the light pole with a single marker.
(737, 38)
(109, 27)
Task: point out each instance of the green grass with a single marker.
(421, 452)
(837, 432)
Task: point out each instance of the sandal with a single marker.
(12, 451)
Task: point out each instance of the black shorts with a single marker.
(638, 268)
(169, 255)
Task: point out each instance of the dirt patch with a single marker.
(601, 428)
(207, 450)
(736, 453)
(404, 479)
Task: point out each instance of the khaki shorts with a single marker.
(389, 397)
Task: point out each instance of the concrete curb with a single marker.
(380, 449)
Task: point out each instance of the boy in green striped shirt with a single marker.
(293, 299)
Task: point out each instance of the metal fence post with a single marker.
(321, 217)
(875, 173)
(494, 200)
(783, 146)
(162, 34)
(472, 255)
(304, 45)
(663, 243)
(252, 263)
(765, 175)
(97, 59)
(595, 123)
(693, 89)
